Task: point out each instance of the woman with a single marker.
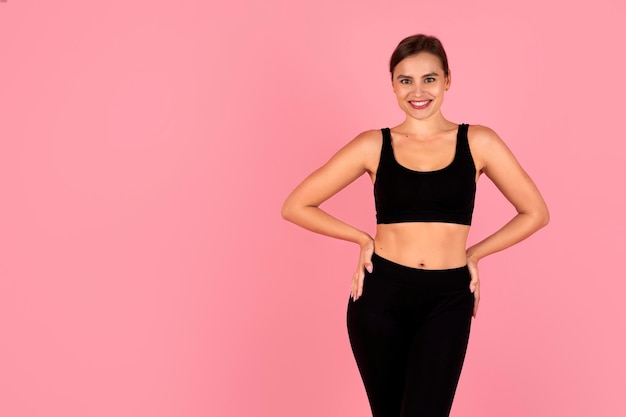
(416, 285)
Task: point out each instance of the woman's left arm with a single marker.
(495, 159)
(499, 164)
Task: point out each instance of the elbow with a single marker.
(537, 218)
(546, 219)
(294, 211)
(543, 217)
(289, 210)
(286, 212)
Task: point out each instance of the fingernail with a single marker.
(472, 288)
(369, 268)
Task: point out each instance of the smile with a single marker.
(419, 104)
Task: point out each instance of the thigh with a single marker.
(436, 358)
(380, 342)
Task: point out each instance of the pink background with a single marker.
(146, 148)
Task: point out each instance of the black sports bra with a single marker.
(445, 195)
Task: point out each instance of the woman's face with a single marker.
(419, 84)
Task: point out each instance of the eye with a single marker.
(405, 81)
(430, 80)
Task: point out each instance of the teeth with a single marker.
(419, 103)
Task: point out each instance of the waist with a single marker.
(450, 279)
(423, 245)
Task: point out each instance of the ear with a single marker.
(448, 80)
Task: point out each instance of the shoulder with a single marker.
(367, 143)
(486, 146)
(369, 139)
(489, 148)
(482, 135)
(485, 143)
(365, 147)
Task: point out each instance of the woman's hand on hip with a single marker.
(472, 265)
(365, 262)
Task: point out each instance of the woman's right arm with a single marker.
(302, 206)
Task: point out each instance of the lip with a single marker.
(425, 104)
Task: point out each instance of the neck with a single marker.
(426, 127)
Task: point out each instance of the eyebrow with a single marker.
(430, 74)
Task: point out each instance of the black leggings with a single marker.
(409, 332)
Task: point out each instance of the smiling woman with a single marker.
(419, 84)
(420, 73)
(416, 285)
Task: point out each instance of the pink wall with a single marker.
(146, 148)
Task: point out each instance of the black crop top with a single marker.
(445, 195)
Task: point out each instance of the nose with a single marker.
(417, 89)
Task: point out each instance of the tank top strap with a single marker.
(386, 151)
(462, 143)
(386, 137)
(462, 136)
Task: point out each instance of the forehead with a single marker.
(418, 64)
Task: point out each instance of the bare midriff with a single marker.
(423, 245)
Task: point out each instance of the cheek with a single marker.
(400, 89)
(438, 89)
(400, 94)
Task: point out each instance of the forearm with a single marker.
(318, 221)
(519, 228)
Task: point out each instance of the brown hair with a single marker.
(414, 45)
